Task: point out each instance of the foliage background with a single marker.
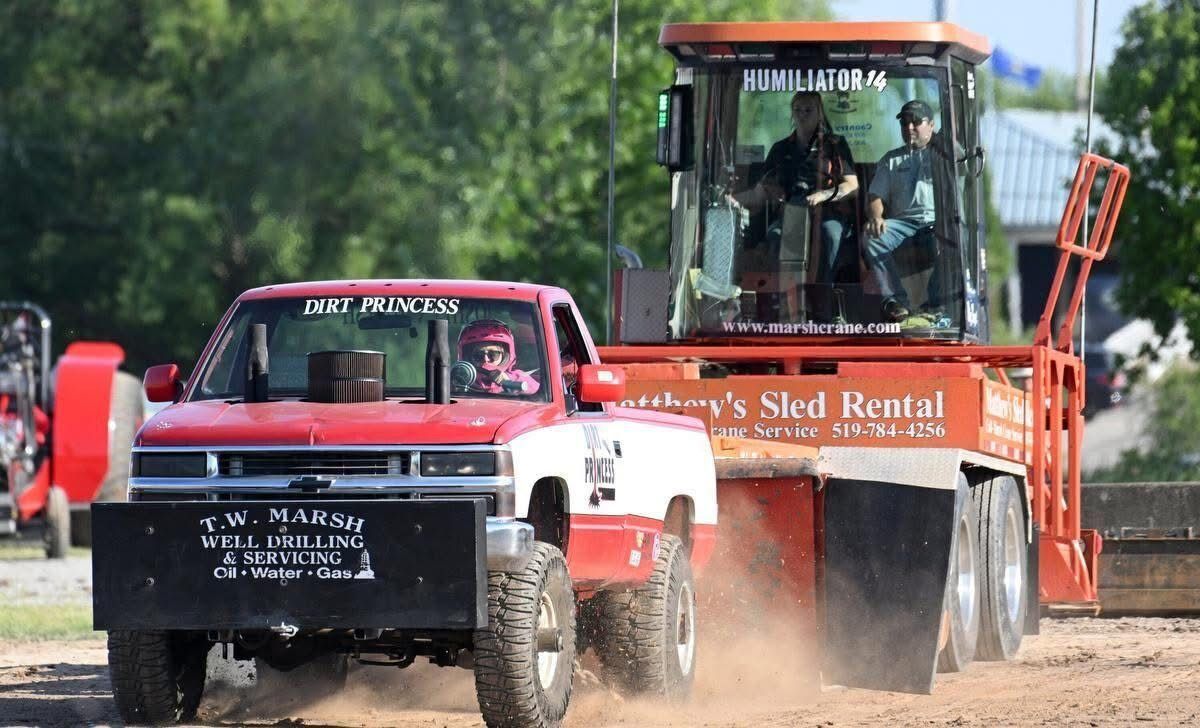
(1169, 448)
(157, 158)
(1152, 102)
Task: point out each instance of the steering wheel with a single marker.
(463, 375)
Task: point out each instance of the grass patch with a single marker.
(17, 550)
(46, 622)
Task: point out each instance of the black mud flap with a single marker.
(304, 564)
(887, 554)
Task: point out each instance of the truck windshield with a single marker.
(826, 199)
(501, 339)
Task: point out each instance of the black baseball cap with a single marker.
(916, 108)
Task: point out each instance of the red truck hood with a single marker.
(307, 423)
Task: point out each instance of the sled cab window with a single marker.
(825, 201)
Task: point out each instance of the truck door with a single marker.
(598, 544)
(599, 436)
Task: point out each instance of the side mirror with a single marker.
(162, 383)
(600, 383)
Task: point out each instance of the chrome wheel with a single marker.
(547, 655)
(685, 629)
(1014, 578)
(966, 586)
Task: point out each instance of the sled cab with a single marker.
(784, 140)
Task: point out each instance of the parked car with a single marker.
(1106, 381)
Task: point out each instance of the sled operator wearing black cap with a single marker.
(902, 188)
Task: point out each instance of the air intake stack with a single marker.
(343, 376)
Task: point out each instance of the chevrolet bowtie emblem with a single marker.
(311, 483)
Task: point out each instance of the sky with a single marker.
(1035, 32)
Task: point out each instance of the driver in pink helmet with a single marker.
(489, 346)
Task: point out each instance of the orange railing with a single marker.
(1058, 389)
(1093, 249)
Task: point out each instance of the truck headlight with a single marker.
(170, 465)
(438, 464)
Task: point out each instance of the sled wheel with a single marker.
(157, 677)
(525, 656)
(962, 588)
(1004, 569)
(646, 638)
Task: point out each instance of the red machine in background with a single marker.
(65, 432)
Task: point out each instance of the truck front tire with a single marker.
(1004, 568)
(646, 638)
(524, 658)
(157, 677)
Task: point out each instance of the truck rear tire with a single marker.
(157, 677)
(646, 638)
(58, 523)
(521, 679)
(1004, 569)
(962, 587)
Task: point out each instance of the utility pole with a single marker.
(612, 183)
(943, 10)
(1081, 56)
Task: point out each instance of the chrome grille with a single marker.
(324, 495)
(345, 463)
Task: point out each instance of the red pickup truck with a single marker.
(384, 470)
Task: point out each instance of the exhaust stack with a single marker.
(437, 362)
(257, 366)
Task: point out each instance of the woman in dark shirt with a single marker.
(811, 166)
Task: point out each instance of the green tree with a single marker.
(1151, 102)
(157, 158)
(160, 158)
(1172, 434)
(543, 211)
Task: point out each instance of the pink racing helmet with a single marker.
(488, 331)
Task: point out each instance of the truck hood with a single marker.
(210, 423)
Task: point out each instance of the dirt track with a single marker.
(1078, 672)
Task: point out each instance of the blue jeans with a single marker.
(832, 229)
(879, 259)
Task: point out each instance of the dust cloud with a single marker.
(757, 650)
(754, 656)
